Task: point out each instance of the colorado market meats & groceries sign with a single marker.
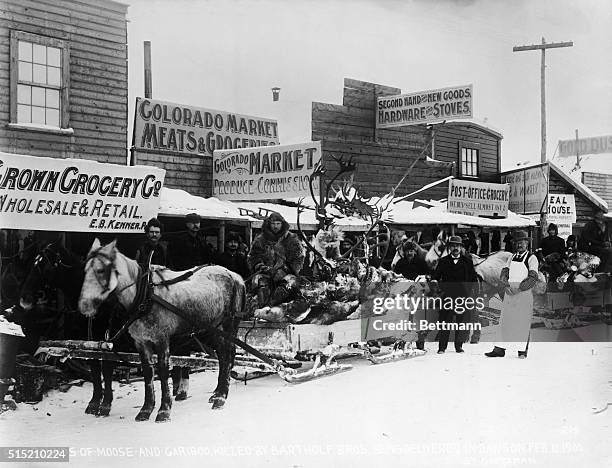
(424, 107)
(478, 198)
(76, 195)
(167, 127)
(261, 173)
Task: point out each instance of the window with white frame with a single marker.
(469, 162)
(39, 80)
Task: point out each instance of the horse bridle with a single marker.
(439, 254)
(104, 278)
(45, 254)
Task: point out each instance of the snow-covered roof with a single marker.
(176, 202)
(404, 213)
(583, 189)
(598, 163)
(573, 181)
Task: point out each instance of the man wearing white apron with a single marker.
(519, 276)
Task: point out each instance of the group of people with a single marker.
(189, 249)
(594, 239)
(272, 263)
(457, 278)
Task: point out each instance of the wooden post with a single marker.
(577, 151)
(249, 235)
(221, 237)
(148, 77)
(543, 103)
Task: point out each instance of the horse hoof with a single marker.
(218, 403)
(104, 410)
(163, 416)
(143, 416)
(213, 397)
(180, 396)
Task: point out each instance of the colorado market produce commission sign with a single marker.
(424, 107)
(167, 127)
(528, 189)
(281, 171)
(76, 195)
(478, 198)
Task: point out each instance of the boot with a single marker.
(420, 345)
(475, 337)
(497, 352)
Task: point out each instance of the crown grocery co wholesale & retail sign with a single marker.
(76, 195)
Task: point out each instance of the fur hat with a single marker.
(192, 218)
(274, 216)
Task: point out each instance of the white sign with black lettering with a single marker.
(562, 212)
(76, 195)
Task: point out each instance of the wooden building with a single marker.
(383, 156)
(599, 183)
(474, 149)
(531, 186)
(63, 76)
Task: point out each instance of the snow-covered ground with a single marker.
(435, 410)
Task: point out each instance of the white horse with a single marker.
(211, 297)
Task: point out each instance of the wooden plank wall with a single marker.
(446, 148)
(601, 184)
(584, 208)
(192, 173)
(97, 34)
(382, 156)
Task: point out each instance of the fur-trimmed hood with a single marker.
(267, 230)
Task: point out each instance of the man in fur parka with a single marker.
(276, 258)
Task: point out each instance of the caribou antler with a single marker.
(300, 210)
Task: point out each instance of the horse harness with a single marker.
(145, 297)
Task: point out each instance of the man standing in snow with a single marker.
(457, 278)
(276, 257)
(519, 277)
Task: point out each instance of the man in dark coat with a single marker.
(153, 231)
(276, 257)
(189, 249)
(410, 265)
(595, 239)
(232, 258)
(457, 278)
(552, 243)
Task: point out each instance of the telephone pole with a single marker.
(543, 47)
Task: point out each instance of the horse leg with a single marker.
(226, 352)
(163, 368)
(107, 372)
(146, 355)
(96, 380)
(180, 383)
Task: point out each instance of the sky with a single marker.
(228, 54)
